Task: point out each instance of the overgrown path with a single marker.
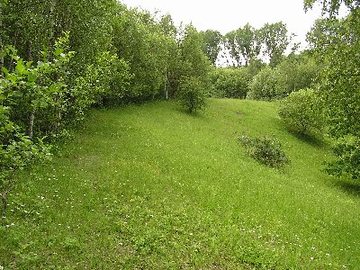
(150, 187)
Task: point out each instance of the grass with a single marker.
(150, 187)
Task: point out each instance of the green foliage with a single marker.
(347, 153)
(230, 82)
(17, 152)
(194, 62)
(294, 73)
(244, 44)
(150, 50)
(192, 72)
(324, 33)
(264, 85)
(301, 112)
(38, 93)
(340, 82)
(266, 150)
(103, 83)
(339, 86)
(332, 6)
(192, 95)
(275, 38)
(211, 44)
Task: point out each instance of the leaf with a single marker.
(20, 67)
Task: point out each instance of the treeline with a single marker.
(59, 58)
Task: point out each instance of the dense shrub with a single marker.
(230, 82)
(347, 152)
(264, 85)
(301, 112)
(266, 150)
(292, 74)
(17, 152)
(192, 95)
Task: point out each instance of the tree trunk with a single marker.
(166, 89)
(31, 124)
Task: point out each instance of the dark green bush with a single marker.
(230, 82)
(347, 152)
(265, 150)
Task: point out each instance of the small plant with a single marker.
(192, 95)
(266, 150)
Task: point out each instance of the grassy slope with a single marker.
(149, 187)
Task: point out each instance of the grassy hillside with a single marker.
(150, 187)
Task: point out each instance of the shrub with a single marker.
(264, 85)
(265, 150)
(301, 112)
(347, 152)
(230, 82)
(192, 96)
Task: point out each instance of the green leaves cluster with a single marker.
(337, 46)
(192, 94)
(302, 113)
(292, 74)
(230, 82)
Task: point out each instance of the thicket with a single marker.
(230, 82)
(295, 72)
(60, 58)
(336, 43)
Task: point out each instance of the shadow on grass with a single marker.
(314, 140)
(350, 187)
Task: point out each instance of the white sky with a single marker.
(227, 15)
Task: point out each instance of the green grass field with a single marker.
(151, 187)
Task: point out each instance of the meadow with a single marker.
(151, 187)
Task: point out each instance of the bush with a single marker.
(264, 85)
(266, 150)
(347, 152)
(292, 74)
(301, 112)
(295, 73)
(230, 82)
(192, 95)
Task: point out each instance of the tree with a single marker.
(324, 33)
(243, 44)
(275, 40)
(332, 7)
(193, 70)
(340, 80)
(211, 44)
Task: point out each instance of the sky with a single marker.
(228, 15)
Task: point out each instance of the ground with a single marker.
(151, 187)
